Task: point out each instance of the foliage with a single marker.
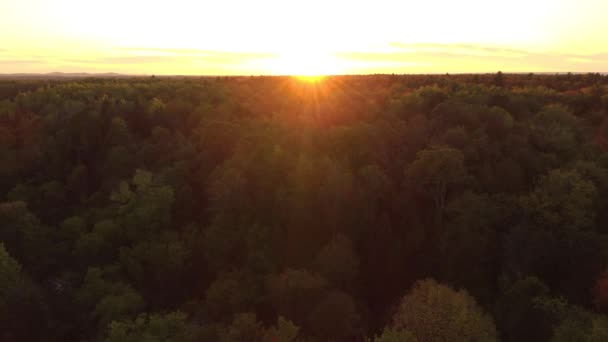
(562, 199)
(271, 209)
(394, 335)
(151, 328)
(335, 317)
(284, 331)
(10, 272)
(338, 262)
(244, 327)
(435, 312)
(435, 170)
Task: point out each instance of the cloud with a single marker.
(155, 61)
(439, 58)
(139, 57)
(124, 60)
(398, 58)
(593, 58)
(199, 53)
(162, 50)
(31, 64)
(581, 60)
(394, 58)
(21, 61)
(435, 52)
(460, 49)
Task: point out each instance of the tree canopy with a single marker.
(410, 208)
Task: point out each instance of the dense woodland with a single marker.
(377, 208)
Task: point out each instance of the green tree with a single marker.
(10, 272)
(563, 199)
(471, 238)
(498, 122)
(21, 304)
(107, 299)
(335, 317)
(555, 129)
(499, 79)
(172, 326)
(224, 238)
(294, 293)
(394, 335)
(338, 262)
(144, 204)
(244, 327)
(283, 331)
(232, 292)
(434, 171)
(27, 239)
(434, 312)
(527, 312)
(581, 326)
(158, 268)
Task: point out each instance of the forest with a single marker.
(373, 208)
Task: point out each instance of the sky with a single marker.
(253, 37)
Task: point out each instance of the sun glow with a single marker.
(310, 78)
(308, 65)
(314, 37)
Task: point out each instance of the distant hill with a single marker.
(63, 75)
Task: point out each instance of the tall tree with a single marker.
(435, 313)
(435, 170)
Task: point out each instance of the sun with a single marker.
(306, 65)
(310, 78)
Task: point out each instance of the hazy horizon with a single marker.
(276, 38)
(115, 74)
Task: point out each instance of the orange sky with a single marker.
(303, 37)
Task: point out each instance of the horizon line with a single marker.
(116, 74)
